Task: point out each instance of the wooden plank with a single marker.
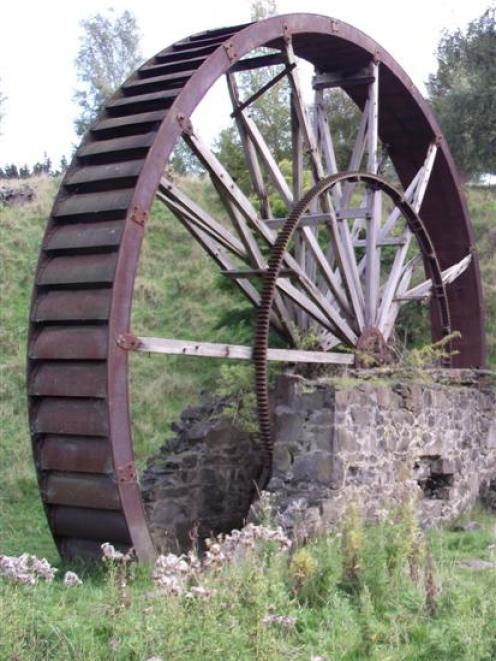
(238, 352)
(172, 195)
(373, 254)
(297, 186)
(271, 165)
(326, 143)
(254, 168)
(319, 218)
(254, 273)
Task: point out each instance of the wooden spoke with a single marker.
(269, 161)
(178, 201)
(415, 191)
(325, 141)
(330, 287)
(222, 180)
(297, 177)
(356, 155)
(391, 286)
(372, 269)
(236, 351)
(401, 289)
(342, 246)
(249, 149)
(423, 291)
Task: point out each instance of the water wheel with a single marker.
(340, 264)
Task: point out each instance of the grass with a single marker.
(385, 614)
(178, 295)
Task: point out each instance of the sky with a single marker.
(39, 40)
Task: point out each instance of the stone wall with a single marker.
(370, 440)
(201, 482)
(376, 441)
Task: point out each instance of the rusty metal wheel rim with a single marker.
(77, 370)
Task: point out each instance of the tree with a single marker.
(463, 94)
(63, 165)
(24, 171)
(108, 53)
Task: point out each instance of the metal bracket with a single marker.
(127, 472)
(185, 123)
(334, 26)
(139, 216)
(128, 342)
(230, 51)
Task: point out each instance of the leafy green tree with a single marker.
(108, 53)
(463, 93)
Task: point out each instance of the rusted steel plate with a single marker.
(78, 417)
(73, 379)
(70, 343)
(77, 236)
(168, 67)
(78, 269)
(141, 103)
(195, 51)
(110, 175)
(217, 32)
(68, 305)
(119, 124)
(204, 40)
(83, 454)
(75, 489)
(157, 82)
(127, 145)
(79, 522)
(105, 205)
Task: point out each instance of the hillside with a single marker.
(179, 295)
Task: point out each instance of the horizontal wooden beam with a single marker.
(253, 273)
(229, 351)
(313, 219)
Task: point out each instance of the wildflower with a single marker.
(72, 580)
(26, 569)
(286, 622)
(43, 569)
(200, 592)
(110, 552)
